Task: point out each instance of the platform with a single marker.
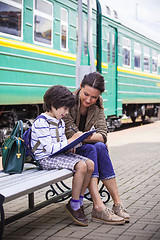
(135, 154)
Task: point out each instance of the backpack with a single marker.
(27, 142)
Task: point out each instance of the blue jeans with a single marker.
(98, 153)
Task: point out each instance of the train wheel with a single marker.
(143, 118)
(133, 119)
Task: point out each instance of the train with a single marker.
(49, 42)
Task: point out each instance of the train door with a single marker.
(85, 62)
(112, 72)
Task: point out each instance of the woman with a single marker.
(87, 114)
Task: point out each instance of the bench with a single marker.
(30, 180)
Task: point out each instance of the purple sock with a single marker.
(75, 204)
(81, 200)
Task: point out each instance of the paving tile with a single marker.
(136, 164)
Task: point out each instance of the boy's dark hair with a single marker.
(58, 96)
(95, 80)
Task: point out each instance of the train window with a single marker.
(43, 21)
(137, 55)
(85, 37)
(154, 61)
(113, 48)
(11, 16)
(108, 46)
(126, 51)
(158, 60)
(64, 29)
(146, 58)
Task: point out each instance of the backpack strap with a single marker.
(55, 124)
(49, 122)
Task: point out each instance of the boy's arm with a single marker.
(48, 141)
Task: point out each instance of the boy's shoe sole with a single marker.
(77, 216)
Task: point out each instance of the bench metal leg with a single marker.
(60, 188)
(38, 206)
(31, 200)
(57, 189)
(1, 215)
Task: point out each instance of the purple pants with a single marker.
(98, 153)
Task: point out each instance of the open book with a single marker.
(75, 143)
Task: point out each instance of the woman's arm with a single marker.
(95, 137)
(101, 125)
(69, 122)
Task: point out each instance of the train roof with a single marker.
(110, 12)
(113, 14)
(136, 26)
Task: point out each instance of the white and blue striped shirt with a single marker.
(46, 134)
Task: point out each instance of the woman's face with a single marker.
(88, 96)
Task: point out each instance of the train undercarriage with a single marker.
(133, 111)
(10, 114)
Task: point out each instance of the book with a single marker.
(77, 142)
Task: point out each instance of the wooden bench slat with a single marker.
(22, 177)
(20, 187)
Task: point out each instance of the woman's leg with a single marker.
(98, 205)
(99, 212)
(111, 186)
(107, 175)
(106, 171)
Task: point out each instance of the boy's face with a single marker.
(59, 113)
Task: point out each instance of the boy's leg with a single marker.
(75, 163)
(90, 169)
(72, 208)
(78, 179)
(89, 151)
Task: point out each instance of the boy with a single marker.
(57, 101)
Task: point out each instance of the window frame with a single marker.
(19, 6)
(65, 24)
(37, 12)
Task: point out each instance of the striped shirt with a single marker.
(46, 134)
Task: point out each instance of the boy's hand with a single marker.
(75, 136)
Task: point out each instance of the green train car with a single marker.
(38, 48)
